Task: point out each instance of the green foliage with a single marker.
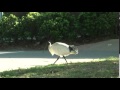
(28, 26)
(18, 14)
(58, 26)
(96, 24)
(8, 26)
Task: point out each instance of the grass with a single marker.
(108, 68)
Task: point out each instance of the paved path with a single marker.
(88, 52)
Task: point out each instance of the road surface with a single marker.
(10, 60)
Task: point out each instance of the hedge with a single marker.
(57, 26)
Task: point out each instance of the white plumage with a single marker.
(62, 49)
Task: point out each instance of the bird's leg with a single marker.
(56, 60)
(65, 59)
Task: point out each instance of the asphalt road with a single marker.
(10, 60)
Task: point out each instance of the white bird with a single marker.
(62, 50)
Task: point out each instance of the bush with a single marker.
(8, 31)
(18, 14)
(96, 24)
(28, 26)
(56, 26)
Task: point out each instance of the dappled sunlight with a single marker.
(16, 63)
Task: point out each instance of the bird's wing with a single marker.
(62, 44)
(60, 49)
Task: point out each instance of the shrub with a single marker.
(28, 26)
(56, 26)
(8, 31)
(96, 24)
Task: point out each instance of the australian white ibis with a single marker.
(62, 50)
